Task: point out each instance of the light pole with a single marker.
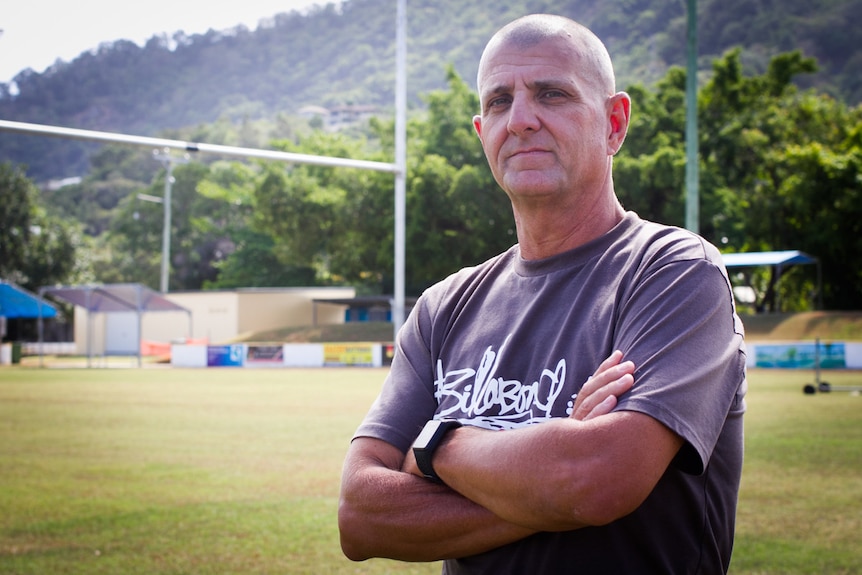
(398, 311)
(692, 204)
(164, 156)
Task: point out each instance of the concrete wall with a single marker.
(263, 309)
(214, 316)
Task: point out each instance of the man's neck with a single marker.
(545, 231)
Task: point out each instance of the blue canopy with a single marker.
(17, 302)
(777, 261)
(782, 258)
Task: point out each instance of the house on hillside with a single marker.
(339, 117)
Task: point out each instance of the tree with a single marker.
(457, 215)
(246, 256)
(35, 250)
(16, 213)
(650, 168)
(782, 173)
(777, 172)
(131, 251)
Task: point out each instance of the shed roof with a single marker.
(115, 298)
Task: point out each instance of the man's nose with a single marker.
(523, 115)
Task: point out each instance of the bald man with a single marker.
(573, 405)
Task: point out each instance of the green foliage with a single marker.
(133, 246)
(779, 170)
(35, 249)
(650, 168)
(16, 211)
(310, 210)
(782, 172)
(244, 257)
(254, 264)
(457, 215)
(116, 172)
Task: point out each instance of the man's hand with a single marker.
(599, 394)
(409, 465)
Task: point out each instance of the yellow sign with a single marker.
(348, 354)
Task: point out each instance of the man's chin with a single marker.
(531, 184)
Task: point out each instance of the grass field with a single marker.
(220, 471)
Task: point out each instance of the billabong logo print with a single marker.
(482, 397)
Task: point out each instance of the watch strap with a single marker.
(428, 441)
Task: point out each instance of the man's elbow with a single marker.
(350, 533)
(351, 550)
(576, 507)
(605, 508)
(597, 499)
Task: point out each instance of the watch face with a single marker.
(427, 433)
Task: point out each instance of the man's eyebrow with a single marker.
(534, 85)
(499, 89)
(551, 84)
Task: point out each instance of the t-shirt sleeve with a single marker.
(406, 401)
(680, 328)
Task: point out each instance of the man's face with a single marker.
(545, 123)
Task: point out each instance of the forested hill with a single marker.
(344, 54)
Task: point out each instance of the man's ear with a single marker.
(477, 124)
(620, 106)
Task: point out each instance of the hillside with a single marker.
(344, 55)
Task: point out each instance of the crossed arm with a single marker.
(588, 469)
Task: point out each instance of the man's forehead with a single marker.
(539, 65)
(568, 56)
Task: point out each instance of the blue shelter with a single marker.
(777, 261)
(16, 302)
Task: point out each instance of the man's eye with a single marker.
(497, 102)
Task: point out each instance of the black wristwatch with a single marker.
(428, 440)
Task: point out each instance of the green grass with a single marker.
(219, 471)
(177, 471)
(800, 508)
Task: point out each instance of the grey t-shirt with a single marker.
(509, 342)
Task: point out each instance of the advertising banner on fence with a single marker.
(348, 354)
(225, 355)
(265, 356)
(801, 355)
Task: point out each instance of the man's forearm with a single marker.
(508, 473)
(389, 513)
(562, 474)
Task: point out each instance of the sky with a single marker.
(36, 33)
